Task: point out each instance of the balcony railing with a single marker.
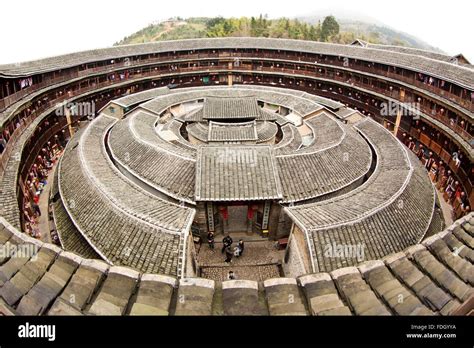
(9, 100)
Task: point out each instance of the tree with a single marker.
(312, 35)
(253, 27)
(329, 28)
(214, 21)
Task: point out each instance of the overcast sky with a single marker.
(32, 29)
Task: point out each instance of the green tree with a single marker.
(312, 34)
(329, 28)
(253, 27)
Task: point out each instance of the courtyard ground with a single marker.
(260, 261)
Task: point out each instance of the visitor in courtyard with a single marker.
(241, 247)
(227, 241)
(231, 275)
(210, 240)
(228, 254)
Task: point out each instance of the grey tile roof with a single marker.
(375, 215)
(236, 172)
(141, 97)
(144, 126)
(266, 131)
(290, 141)
(71, 239)
(390, 176)
(167, 167)
(175, 126)
(125, 224)
(313, 173)
(326, 132)
(227, 108)
(199, 130)
(416, 62)
(243, 131)
(414, 51)
(344, 113)
(431, 279)
(301, 102)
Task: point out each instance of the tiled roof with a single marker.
(290, 141)
(199, 130)
(416, 62)
(317, 172)
(91, 186)
(71, 239)
(266, 131)
(236, 173)
(375, 215)
(326, 132)
(229, 108)
(165, 166)
(221, 132)
(429, 276)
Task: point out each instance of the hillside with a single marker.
(374, 31)
(327, 29)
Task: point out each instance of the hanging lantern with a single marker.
(224, 212)
(249, 213)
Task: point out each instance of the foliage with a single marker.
(261, 26)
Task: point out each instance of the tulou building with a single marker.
(346, 170)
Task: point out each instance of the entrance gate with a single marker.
(237, 218)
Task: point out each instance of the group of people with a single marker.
(444, 179)
(227, 248)
(37, 179)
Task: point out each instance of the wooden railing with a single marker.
(301, 72)
(9, 100)
(447, 159)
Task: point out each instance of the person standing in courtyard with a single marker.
(231, 275)
(228, 254)
(227, 241)
(241, 247)
(210, 240)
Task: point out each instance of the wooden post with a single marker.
(397, 122)
(69, 122)
(399, 113)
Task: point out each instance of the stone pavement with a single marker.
(255, 253)
(257, 273)
(259, 261)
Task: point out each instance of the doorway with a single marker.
(237, 218)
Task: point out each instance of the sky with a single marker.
(32, 29)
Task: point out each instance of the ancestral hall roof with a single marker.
(236, 173)
(228, 108)
(244, 131)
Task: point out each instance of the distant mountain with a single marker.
(342, 30)
(374, 31)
